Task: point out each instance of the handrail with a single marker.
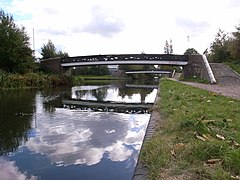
(209, 70)
(126, 57)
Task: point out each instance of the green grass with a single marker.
(193, 79)
(234, 65)
(187, 114)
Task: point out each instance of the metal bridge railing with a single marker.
(126, 57)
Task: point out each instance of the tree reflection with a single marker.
(125, 91)
(131, 91)
(80, 94)
(100, 94)
(16, 114)
(53, 98)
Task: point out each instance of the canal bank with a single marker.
(140, 172)
(198, 136)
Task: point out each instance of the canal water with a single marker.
(43, 137)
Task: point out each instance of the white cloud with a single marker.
(105, 26)
(103, 23)
(193, 27)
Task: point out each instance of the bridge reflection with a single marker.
(107, 106)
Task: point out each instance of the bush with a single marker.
(31, 80)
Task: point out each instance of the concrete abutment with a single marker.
(198, 67)
(53, 65)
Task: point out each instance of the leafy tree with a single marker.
(220, 47)
(191, 51)
(49, 51)
(62, 54)
(234, 46)
(15, 53)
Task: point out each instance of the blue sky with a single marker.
(122, 26)
(18, 15)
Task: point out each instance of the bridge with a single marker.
(193, 65)
(148, 72)
(142, 86)
(150, 59)
(62, 65)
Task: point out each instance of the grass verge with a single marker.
(193, 79)
(234, 65)
(197, 138)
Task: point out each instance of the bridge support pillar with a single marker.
(52, 65)
(67, 71)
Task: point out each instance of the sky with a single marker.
(92, 27)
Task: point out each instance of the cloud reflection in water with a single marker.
(69, 137)
(9, 171)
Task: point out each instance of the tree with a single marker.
(15, 52)
(168, 48)
(191, 51)
(49, 51)
(62, 54)
(220, 47)
(234, 46)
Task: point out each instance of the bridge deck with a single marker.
(142, 86)
(154, 59)
(148, 72)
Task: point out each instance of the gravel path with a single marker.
(228, 81)
(230, 91)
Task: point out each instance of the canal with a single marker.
(62, 134)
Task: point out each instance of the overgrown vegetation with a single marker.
(17, 66)
(234, 65)
(15, 53)
(31, 80)
(198, 136)
(226, 47)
